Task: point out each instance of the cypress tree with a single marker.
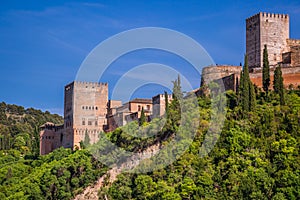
(246, 81)
(278, 84)
(241, 84)
(87, 140)
(266, 71)
(166, 104)
(177, 93)
(246, 89)
(252, 97)
(276, 81)
(143, 117)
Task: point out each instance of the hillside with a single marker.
(256, 157)
(19, 127)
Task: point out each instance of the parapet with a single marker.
(221, 69)
(162, 96)
(293, 42)
(266, 15)
(51, 126)
(212, 73)
(89, 84)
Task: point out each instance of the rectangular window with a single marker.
(83, 122)
(96, 123)
(89, 122)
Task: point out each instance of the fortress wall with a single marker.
(218, 72)
(295, 55)
(290, 76)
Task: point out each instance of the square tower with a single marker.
(266, 29)
(159, 104)
(85, 109)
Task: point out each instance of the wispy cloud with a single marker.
(65, 44)
(97, 5)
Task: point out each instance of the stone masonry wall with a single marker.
(291, 76)
(270, 29)
(89, 110)
(218, 72)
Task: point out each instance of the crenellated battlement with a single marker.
(91, 84)
(274, 15)
(266, 15)
(293, 42)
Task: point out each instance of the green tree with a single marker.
(187, 187)
(166, 103)
(252, 97)
(143, 117)
(177, 92)
(278, 84)
(246, 89)
(144, 187)
(266, 71)
(246, 84)
(87, 140)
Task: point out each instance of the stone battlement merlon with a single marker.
(91, 84)
(162, 95)
(267, 15)
(273, 15)
(291, 42)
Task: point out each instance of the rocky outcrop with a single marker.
(91, 192)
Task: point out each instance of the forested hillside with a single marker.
(256, 156)
(24, 174)
(19, 127)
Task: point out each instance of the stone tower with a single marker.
(159, 104)
(85, 109)
(270, 29)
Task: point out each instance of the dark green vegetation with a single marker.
(256, 157)
(278, 84)
(266, 71)
(26, 175)
(19, 128)
(58, 175)
(246, 89)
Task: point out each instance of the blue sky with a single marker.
(43, 43)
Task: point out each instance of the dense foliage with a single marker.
(19, 127)
(256, 157)
(58, 175)
(26, 175)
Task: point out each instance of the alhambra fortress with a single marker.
(87, 109)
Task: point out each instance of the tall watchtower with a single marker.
(266, 29)
(85, 109)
